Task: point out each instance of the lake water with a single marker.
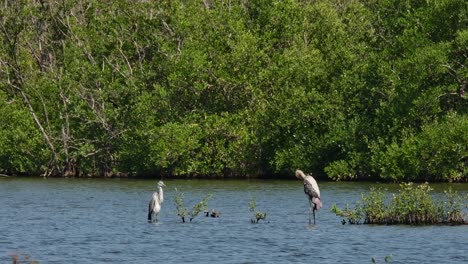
(105, 221)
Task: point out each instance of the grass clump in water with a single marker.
(413, 205)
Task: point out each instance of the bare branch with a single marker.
(125, 57)
(39, 125)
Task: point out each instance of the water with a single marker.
(104, 221)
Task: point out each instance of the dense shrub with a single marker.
(438, 152)
(347, 90)
(413, 205)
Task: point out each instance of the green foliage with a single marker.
(440, 149)
(182, 210)
(21, 147)
(258, 215)
(453, 207)
(252, 204)
(340, 170)
(200, 207)
(373, 207)
(413, 205)
(352, 215)
(345, 89)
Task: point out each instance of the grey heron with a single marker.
(312, 190)
(155, 204)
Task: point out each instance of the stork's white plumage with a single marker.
(312, 190)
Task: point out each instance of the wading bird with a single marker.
(155, 203)
(313, 192)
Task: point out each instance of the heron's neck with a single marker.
(160, 194)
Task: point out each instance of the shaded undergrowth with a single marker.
(412, 204)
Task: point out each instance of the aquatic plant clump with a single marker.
(182, 210)
(258, 215)
(199, 207)
(413, 205)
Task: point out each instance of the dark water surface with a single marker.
(104, 221)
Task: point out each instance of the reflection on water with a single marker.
(97, 221)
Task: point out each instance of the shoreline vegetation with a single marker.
(411, 205)
(282, 176)
(287, 177)
(345, 90)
